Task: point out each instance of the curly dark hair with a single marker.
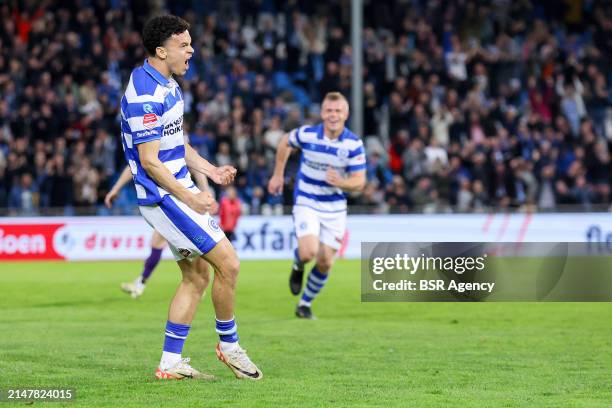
(158, 29)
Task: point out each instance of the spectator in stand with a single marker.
(23, 197)
(229, 213)
(458, 79)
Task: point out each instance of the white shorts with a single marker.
(188, 233)
(328, 226)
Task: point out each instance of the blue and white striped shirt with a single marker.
(152, 109)
(345, 154)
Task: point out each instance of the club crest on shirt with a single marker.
(303, 226)
(149, 120)
(342, 153)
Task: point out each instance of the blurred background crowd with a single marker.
(468, 105)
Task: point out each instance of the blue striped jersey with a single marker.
(152, 109)
(345, 154)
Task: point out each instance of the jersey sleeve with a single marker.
(145, 121)
(294, 138)
(357, 159)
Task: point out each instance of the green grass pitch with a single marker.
(68, 325)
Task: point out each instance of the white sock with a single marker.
(169, 360)
(226, 346)
(304, 303)
(138, 283)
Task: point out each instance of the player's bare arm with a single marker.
(149, 159)
(283, 151)
(124, 178)
(222, 175)
(352, 183)
(201, 182)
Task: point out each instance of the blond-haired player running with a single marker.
(332, 163)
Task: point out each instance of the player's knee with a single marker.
(197, 281)
(324, 264)
(307, 254)
(201, 284)
(204, 280)
(201, 276)
(234, 267)
(230, 271)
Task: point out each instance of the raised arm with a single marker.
(150, 162)
(355, 179)
(221, 175)
(124, 178)
(283, 151)
(354, 182)
(201, 182)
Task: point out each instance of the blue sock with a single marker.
(176, 334)
(296, 258)
(227, 330)
(314, 284)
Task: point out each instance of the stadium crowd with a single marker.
(467, 105)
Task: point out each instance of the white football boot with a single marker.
(134, 289)
(240, 364)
